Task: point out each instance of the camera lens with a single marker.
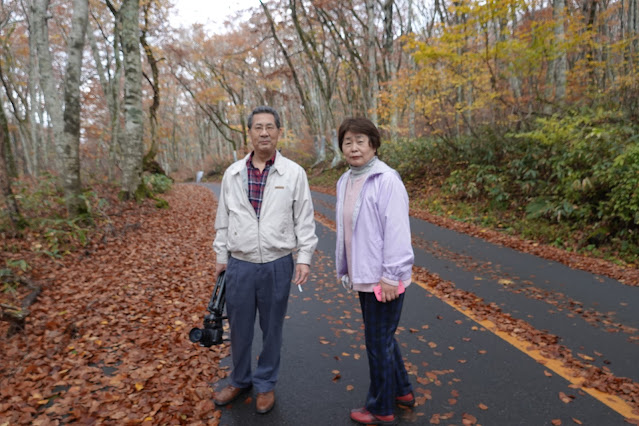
(195, 335)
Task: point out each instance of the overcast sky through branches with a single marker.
(210, 13)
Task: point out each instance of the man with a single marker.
(265, 212)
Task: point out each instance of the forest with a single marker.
(513, 121)
(516, 115)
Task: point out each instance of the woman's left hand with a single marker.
(389, 292)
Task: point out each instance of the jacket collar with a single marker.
(278, 165)
(378, 168)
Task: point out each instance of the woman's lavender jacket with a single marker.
(381, 236)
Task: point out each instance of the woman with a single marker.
(374, 248)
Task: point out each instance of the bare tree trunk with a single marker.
(66, 122)
(515, 82)
(411, 63)
(372, 61)
(561, 63)
(72, 102)
(46, 136)
(52, 101)
(154, 81)
(335, 144)
(13, 210)
(132, 145)
(390, 64)
(36, 136)
(632, 30)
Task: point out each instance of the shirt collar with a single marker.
(270, 162)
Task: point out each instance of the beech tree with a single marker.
(132, 145)
(445, 69)
(64, 116)
(13, 210)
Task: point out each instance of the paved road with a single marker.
(458, 367)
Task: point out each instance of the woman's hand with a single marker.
(389, 292)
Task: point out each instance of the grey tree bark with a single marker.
(132, 145)
(411, 63)
(154, 81)
(34, 129)
(72, 107)
(52, 101)
(13, 210)
(372, 60)
(65, 121)
(561, 63)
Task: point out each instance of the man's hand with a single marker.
(302, 271)
(219, 267)
(389, 292)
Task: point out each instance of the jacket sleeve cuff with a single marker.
(304, 258)
(390, 282)
(221, 258)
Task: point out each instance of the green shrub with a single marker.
(42, 203)
(413, 158)
(157, 183)
(587, 165)
(479, 181)
(622, 203)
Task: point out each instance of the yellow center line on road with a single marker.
(612, 401)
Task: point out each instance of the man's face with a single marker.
(264, 134)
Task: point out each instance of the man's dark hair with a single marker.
(264, 109)
(360, 125)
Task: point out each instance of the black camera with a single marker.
(213, 330)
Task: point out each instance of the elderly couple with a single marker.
(265, 212)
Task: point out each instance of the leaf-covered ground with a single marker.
(107, 340)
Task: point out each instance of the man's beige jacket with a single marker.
(286, 222)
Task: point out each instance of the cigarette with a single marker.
(300, 287)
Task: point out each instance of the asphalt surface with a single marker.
(460, 370)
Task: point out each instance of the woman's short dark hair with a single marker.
(264, 109)
(360, 125)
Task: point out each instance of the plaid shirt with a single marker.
(256, 182)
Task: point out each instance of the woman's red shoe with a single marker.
(407, 400)
(365, 417)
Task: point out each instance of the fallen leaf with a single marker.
(468, 419)
(565, 398)
(586, 357)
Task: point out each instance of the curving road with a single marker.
(461, 369)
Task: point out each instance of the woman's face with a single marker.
(357, 149)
